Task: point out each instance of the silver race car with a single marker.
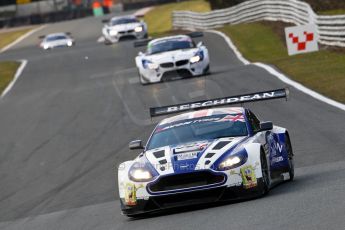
(172, 57)
(124, 26)
(55, 40)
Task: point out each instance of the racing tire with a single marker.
(142, 80)
(265, 173)
(107, 42)
(290, 157)
(206, 71)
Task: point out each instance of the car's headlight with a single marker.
(149, 64)
(138, 29)
(45, 46)
(233, 161)
(69, 43)
(199, 56)
(113, 32)
(230, 162)
(140, 172)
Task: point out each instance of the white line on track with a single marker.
(16, 76)
(21, 38)
(279, 75)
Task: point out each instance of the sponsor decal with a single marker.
(214, 118)
(248, 177)
(267, 95)
(187, 156)
(131, 194)
(277, 159)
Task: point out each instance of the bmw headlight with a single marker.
(233, 161)
(138, 29)
(113, 32)
(199, 56)
(149, 64)
(140, 172)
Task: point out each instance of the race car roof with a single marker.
(123, 17)
(175, 37)
(203, 113)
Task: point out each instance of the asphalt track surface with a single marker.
(66, 124)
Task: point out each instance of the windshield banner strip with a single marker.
(239, 99)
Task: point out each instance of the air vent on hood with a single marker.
(159, 154)
(220, 145)
(162, 162)
(209, 155)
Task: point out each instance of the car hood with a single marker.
(172, 56)
(125, 27)
(191, 156)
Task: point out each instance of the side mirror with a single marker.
(140, 53)
(266, 125)
(137, 144)
(200, 44)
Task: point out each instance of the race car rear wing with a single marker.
(195, 34)
(239, 99)
(144, 42)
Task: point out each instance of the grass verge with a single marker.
(7, 71)
(332, 12)
(159, 19)
(322, 71)
(10, 36)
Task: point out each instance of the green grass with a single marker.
(159, 19)
(9, 68)
(7, 72)
(8, 37)
(332, 12)
(322, 71)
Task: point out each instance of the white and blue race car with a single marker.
(172, 57)
(208, 155)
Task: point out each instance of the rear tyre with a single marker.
(265, 174)
(290, 157)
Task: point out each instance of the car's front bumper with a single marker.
(123, 34)
(162, 74)
(211, 195)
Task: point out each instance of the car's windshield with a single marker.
(170, 45)
(197, 129)
(121, 21)
(55, 38)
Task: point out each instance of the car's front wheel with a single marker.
(206, 71)
(265, 173)
(142, 80)
(290, 157)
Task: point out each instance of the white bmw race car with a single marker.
(206, 155)
(124, 26)
(172, 57)
(55, 40)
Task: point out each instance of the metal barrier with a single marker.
(331, 28)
